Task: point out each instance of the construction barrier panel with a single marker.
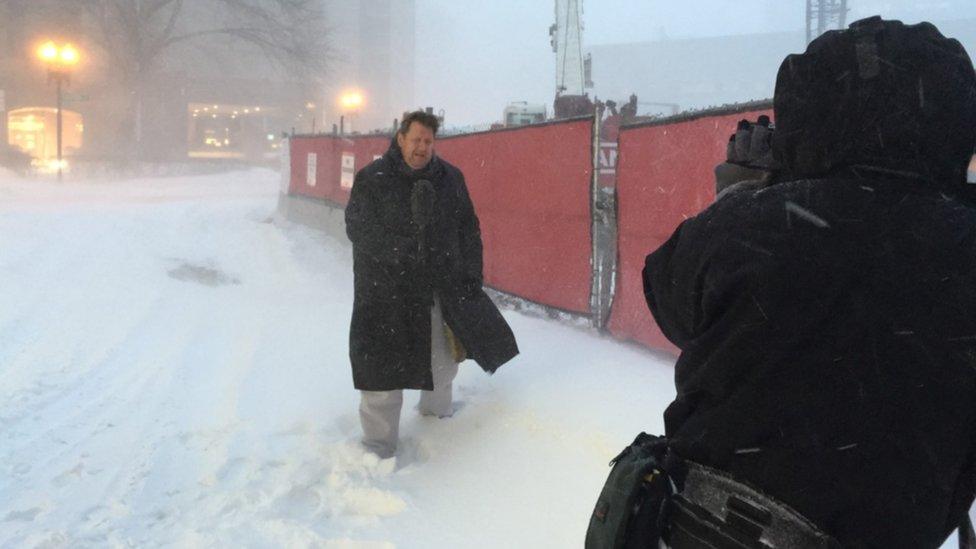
(311, 159)
(323, 166)
(665, 174)
(531, 189)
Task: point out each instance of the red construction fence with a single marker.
(323, 166)
(532, 188)
(665, 174)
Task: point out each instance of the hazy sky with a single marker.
(474, 57)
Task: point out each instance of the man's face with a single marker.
(417, 145)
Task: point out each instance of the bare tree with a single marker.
(138, 33)
(138, 36)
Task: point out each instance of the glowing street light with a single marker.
(59, 60)
(351, 101)
(48, 52)
(68, 55)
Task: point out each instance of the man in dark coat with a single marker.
(827, 322)
(417, 259)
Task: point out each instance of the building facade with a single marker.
(206, 98)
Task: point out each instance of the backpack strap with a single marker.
(967, 536)
(715, 510)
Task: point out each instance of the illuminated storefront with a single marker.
(33, 130)
(231, 131)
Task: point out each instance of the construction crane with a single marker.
(823, 15)
(566, 37)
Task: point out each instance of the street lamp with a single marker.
(59, 61)
(351, 102)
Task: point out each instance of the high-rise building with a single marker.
(373, 44)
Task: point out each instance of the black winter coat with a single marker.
(389, 338)
(827, 323)
(828, 338)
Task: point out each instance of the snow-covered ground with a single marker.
(174, 372)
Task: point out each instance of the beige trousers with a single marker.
(379, 411)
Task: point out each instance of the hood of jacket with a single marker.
(880, 99)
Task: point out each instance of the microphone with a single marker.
(422, 212)
(422, 203)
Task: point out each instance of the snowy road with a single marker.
(174, 372)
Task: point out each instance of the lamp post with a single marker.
(59, 61)
(351, 101)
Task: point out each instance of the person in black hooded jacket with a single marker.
(827, 321)
(417, 262)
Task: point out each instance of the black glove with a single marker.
(751, 144)
(749, 156)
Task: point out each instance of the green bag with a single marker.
(632, 509)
